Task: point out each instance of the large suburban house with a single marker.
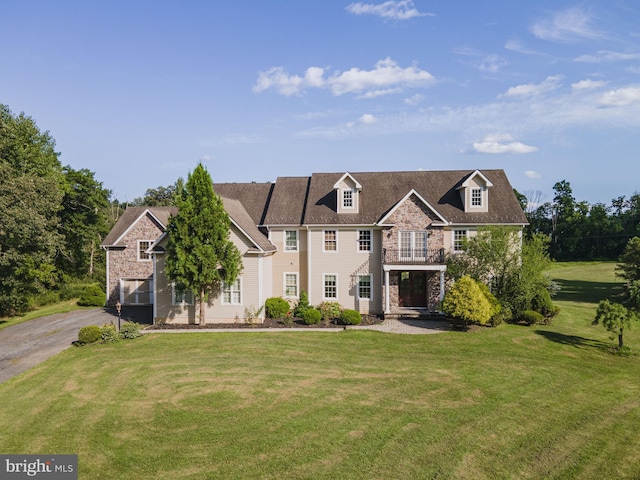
(375, 242)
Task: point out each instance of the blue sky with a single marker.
(141, 91)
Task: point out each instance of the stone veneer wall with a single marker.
(433, 290)
(123, 263)
(413, 215)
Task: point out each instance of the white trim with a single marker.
(324, 243)
(146, 251)
(324, 291)
(343, 177)
(231, 302)
(284, 284)
(358, 240)
(404, 199)
(184, 302)
(108, 289)
(124, 234)
(352, 191)
(284, 243)
(453, 238)
(370, 297)
(465, 184)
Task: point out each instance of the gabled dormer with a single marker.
(348, 194)
(474, 192)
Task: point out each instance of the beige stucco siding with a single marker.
(347, 264)
(216, 311)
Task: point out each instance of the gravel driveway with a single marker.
(27, 344)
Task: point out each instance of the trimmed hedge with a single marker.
(89, 334)
(350, 317)
(531, 317)
(311, 316)
(92, 296)
(276, 307)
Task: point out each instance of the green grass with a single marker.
(511, 402)
(62, 307)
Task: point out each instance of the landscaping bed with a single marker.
(268, 323)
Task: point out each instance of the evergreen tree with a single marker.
(200, 255)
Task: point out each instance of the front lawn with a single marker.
(511, 402)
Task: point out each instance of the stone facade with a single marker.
(413, 215)
(123, 262)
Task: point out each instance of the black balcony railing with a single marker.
(413, 256)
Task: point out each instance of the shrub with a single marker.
(466, 301)
(276, 307)
(531, 317)
(89, 334)
(350, 317)
(329, 310)
(46, 298)
(302, 305)
(92, 296)
(542, 303)
(108, 333)
(129, 330)
(311, 316)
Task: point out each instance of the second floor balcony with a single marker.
(413, 256)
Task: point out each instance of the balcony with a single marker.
(411, 256)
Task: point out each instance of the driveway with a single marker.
(27, 344)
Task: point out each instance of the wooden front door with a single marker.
(412, 290)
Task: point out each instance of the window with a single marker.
(143, 246)
(459, 238)
(330, 241)
(291, 241)
(182, 296)
(330, 287)
(364, 240)
(290, 284)
(413, 245)
(364, 287)
(232, 294)
(347, 198)
(476, 197)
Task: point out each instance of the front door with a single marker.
(412, 290)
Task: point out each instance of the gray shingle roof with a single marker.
(130, 216)
(240, 216)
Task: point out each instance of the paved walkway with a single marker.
(390, 325)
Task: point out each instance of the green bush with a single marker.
(466, 301)
(89, 334)
(542, 303)
(350, 317)
(108, 333)
(531, 317)
(329, 310)
(92, 296)
(311, 316)
(129, 330)
(276, 307)
(302, 305)
(47, 298)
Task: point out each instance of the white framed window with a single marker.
(476, 197)
(181, 296)
(143, 246)
(290, 240)
(330, 241)
(413, 245)
(290, 284)
(347, 198)
(459, 239)
(364, 287)
(232, 294)
(330, 286)
(364, 240)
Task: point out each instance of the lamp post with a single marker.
(119, 310)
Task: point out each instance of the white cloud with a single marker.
(387, 77)
(602, 56)
(516, 46)
(503, 143)
(532, 89)
(205, 158)
(567, 25)
(415, 99)
(367, 119)
(620, 97)
(393, 9)
(532, 174)
(492, 64)
(588, 84)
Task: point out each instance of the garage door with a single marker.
(136, 291)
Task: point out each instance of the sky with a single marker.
(140, 91)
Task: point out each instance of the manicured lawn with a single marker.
(511, 402)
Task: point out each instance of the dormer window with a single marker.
(347, 198)
(476, 197)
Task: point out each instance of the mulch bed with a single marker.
(268, 323)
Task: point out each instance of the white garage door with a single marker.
(135, 291)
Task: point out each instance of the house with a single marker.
(375, 242)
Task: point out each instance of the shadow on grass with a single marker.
(3, 321)
(586, 291)
(573, 340)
